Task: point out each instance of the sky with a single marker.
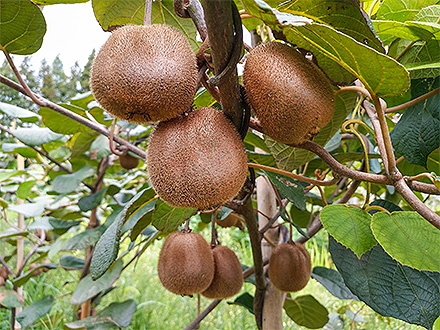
(72, 32)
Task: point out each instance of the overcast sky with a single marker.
(72, 32)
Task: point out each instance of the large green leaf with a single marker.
(34, 311)
(10, 298)
(333, 282)
(289, 188)
(19, 148)
(107, 248)
(113, 13)
(62, 124)
(306, 311)
(116, 315)
(67, 183)
(345, 16)
(28, 209)
(417, 134)
(22, 27)
(17, 112)
(401, 11)
(88, 288)
(408, 238)
(350, 226)
(167, 218)
(82, 143)
(289, 158)
(390, 30)
(388, 287)
(36, 135)
(89, 202)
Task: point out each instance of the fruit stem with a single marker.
(213, 231)
(147, 15)
(413, 102)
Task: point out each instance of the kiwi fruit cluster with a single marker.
(290, 267)
(290, 96)
(187, 265)
(196, 160)
(145, 73)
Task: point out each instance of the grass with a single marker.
(159, 309)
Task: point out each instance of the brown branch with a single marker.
(96, 127)
(340, 169)
(295, 176)
(260, 281)
(413, 102)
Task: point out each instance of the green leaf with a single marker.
(34, 311)
(106, 250)
(67, 183)
(23, 27)
(333, 282)
(19, 148)
(36, 136)
(62, 226)
(5, 175)
(388, 287)
(350, 226)
(417, 133)
(10, 298)
(256, 141)
(379, 73)
(306, 311)
(30, 210)
(82, 143)
(387, 205)
(100, 147)
(21, 280)
(345, 16)
(71, 262)
(289, 188)
(89, 202)
(245, 300)
(167, 218)
(88, 288)
(401, 11)
(17, 112)
(389, 31)
(289, 158)
(62, 124)
(408, 238)
(116, 315)
(83, 240)
(142, 214)
(113, 13)
(300, 217)
(13, 233)
(24, 189)
(262, 159)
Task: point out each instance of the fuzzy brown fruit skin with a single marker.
(290, 267)
(186, 263)
(128, 162)
(290, 96)
(228, 275)
(145, 73)
(4, 274)
(196, 160)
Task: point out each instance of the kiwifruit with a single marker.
(38, 271)
(128, 162)
(4, 273)
(233, 219)
(145, 73)
(290, 267)
(2, 281)
(228, 276)
(186, 263)
(196, 160)
(290, 96)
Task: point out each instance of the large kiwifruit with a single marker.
(145, 73)
(228, 275)
(290, 96)
(196, 160)
(186, 264)
(290, 267)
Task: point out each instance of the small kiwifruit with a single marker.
(196, 160)
(145, 73)
(186, 263)
(36, 272)
(4, 273)
(228, 275)
(233, 219)
(290, 267)
(290, 96)
(128, 162)
(2, 281)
